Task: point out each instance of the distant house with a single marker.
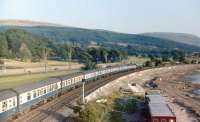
(159, 111)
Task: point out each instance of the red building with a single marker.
(158, 109)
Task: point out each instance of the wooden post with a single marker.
(83, 91)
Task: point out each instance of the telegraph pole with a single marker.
(83, 92)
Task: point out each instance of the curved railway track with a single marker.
(41, 113)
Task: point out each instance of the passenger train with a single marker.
(26, 96)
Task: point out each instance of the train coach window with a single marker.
(38, 92)
(48, 88)
(28, 96)
(171, 120)
(55, 86)
(45, 91)
(42, 91)
(14, 102)
(4, 105)
(51, 87)
(68, 82)
(10, 103)
(163, 120)
(34, 94)
(63, 83)
(155, 120)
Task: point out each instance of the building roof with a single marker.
(160, 109)
(157, 106)
(5, 94)
(155, 98)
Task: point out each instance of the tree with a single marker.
(158, 62)
(197, 56)
(3, 46)
(2, 65)
(25, 53)
(105, 54)
(148, 64)
(178, 55)
(45, 52)
(95, 53)
(69, 54)
(89, 65)
(165, 58)
(66, 52)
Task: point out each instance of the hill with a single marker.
(16, 42)
(177, 37)
(133, 44)
(25, 23)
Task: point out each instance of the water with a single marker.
(197, 92)
(195, 78)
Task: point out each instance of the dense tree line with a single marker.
(26, 46)
(23, 45)
(138, 43)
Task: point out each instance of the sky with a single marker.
(127, 16)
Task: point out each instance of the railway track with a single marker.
(41, 113)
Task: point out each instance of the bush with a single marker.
(87, 115)
(148, 64)
(193, 62)
(116, 117)
(92, 113)
(89, 65)
(125, 105)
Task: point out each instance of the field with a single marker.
(136, 60)
(13, 81)
(18, 64)
(14, 67)
(19, 73)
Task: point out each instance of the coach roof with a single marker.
(32, 86)
(66, 77)
(5, 94)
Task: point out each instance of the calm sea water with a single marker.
(195, 78)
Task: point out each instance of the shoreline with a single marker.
(180, 92)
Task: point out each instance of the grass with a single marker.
(111, 110)
(13, 81)
(136, 60)
(18, 64)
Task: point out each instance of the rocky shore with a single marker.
(179, 92)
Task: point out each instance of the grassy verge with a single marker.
(13, 81)
(110, 111)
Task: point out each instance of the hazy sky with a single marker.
(130, 16)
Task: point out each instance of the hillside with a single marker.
(16, 42)
(177, 37)
(85, 36)
(25, 23)
(37, 33)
